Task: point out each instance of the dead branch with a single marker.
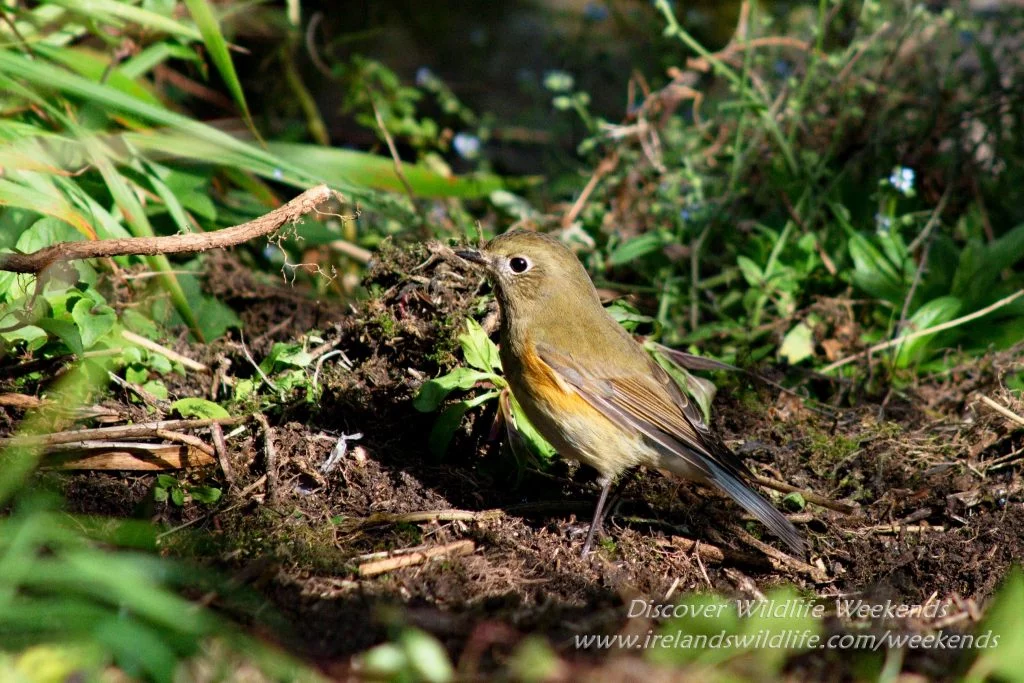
(38, 261)
(142, 429)
(410, 559)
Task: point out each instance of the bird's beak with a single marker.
(473, 256)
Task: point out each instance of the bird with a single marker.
(591, 389)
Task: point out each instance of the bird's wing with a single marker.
(653, 405)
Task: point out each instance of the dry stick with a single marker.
(167, 353)
(221, 446)
(809, 496)
(271, 455)
(38, 261)
(434, 516)
(120, 432)
(464, 547)
(606, 166)
(399, 171)
(929, 330)
(186, 439)
(149, 399)
(1002, 410)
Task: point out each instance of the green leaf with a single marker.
(751, 272)
(199, 408)
(344, 167)
(434, 391)
(935, 312)
(202, 13)
(798, 344)
(449, 421)
(528, 433)
(635, 248)
(94, 321)
(874, 272)
(477, 348)
(426, 657)
(206, 494)
(66, 331)
(177, 496)
(1002, 632)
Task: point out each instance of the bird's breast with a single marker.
(574, 427)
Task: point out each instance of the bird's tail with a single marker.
(752, 502)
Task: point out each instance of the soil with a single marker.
(938, 516)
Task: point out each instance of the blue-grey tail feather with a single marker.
(753, 503)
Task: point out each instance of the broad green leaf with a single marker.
(528, 433)
(874, 272)
(94, 66)
(1000, 636)
(751, 272)
(52, 203)
(427, 658)
(206, 494)
(478, 349)
(449, 421)
(66, 331)
(199, 408)
(798, 344)
(345, 167)
(933, 313)
(121, 13)
(94, 321)
(635, 248)
(434, 391)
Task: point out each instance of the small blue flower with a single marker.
(423, 76)
(782, 67)
(595, 11)
(902, 179)
(278, 174)
(882, 223)
(466, 145)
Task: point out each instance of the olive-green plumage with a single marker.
(590, 388)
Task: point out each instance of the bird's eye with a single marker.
(518, 264)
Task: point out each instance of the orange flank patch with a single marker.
(547, 387)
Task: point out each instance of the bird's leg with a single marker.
(620, 488)
(606, 485)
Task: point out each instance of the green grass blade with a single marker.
(218, 48)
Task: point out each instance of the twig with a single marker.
(920, 333)
(142, 429)
(221, 447)
(809, 496)
(36, 262)
(187, 439)
(149, 399)
(434, 516)
(252, 362)
(397, 160)
(1002, 410)
(900, 528)
(923, 238)
(606, 166)
(779, 559)
(353, 251)
(167, 353)
(454, 549)
(270, 455)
